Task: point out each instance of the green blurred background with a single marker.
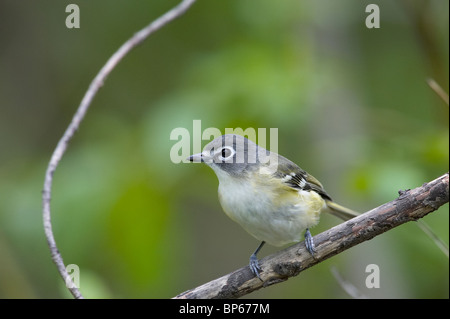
(351, 105)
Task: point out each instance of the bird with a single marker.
(271, 197)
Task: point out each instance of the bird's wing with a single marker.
(293, 176)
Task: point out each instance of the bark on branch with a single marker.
(409, 206)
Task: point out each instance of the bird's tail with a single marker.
(341, 211)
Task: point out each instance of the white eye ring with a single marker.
(221, 152)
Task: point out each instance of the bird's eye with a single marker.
(225, 153)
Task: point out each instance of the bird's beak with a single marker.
(203, 157)
(200, 157)
(196, 158)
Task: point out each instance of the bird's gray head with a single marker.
(233, 154)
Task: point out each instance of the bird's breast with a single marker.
(277, 218)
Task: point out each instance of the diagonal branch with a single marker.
(60, 149)
(410, 205)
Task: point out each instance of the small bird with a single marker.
(268, 195)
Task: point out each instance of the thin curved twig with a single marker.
(61, 147)
(438, 90)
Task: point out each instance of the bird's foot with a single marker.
(309, 242)
(254, 266)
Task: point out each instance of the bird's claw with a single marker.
(309, 243)
(254, 266)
